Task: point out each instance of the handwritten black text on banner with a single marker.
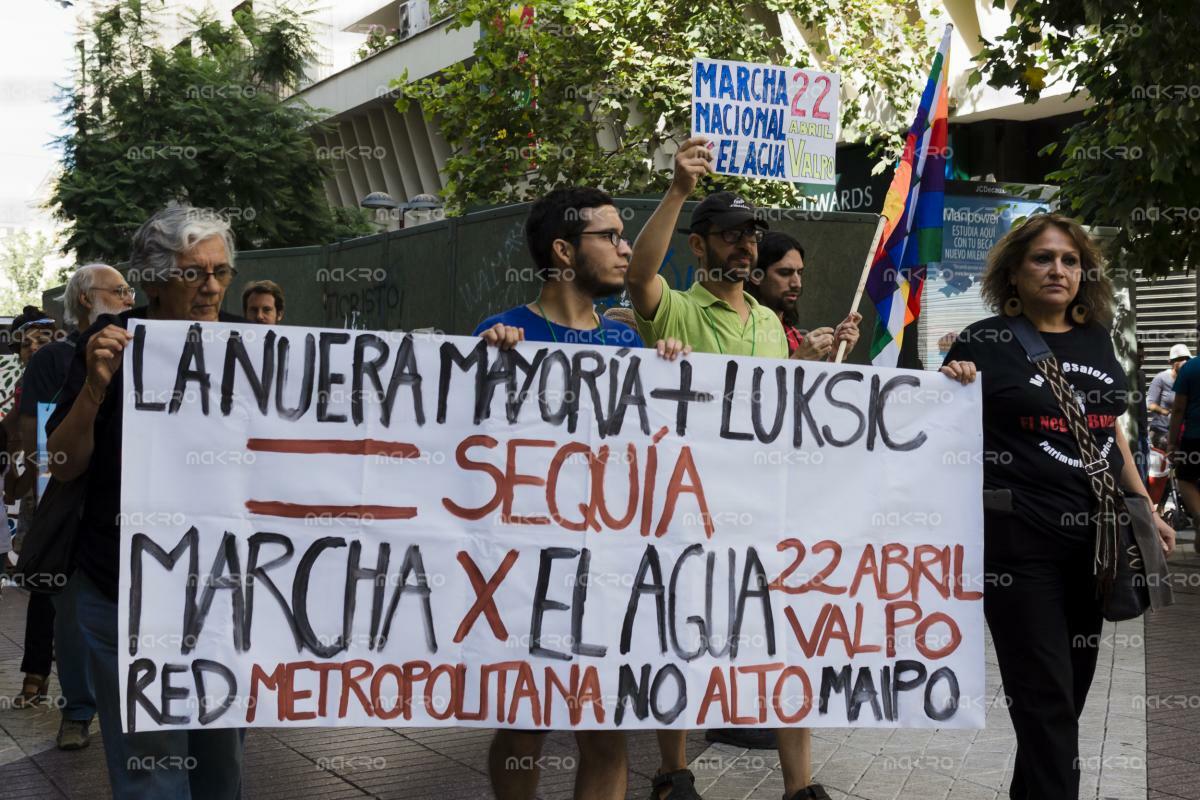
(328, 527)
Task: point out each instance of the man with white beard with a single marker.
(93, 289)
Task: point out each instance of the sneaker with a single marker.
(745, 738)
(73, 734)
(814, 791)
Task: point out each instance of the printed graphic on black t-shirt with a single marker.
(1028, 445)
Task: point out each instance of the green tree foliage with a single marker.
(201, 122)
(587, 91)
(1133, 162)
(26, 270)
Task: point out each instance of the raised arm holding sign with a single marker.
(767, 121)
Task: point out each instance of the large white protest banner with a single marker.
(767, 121)
(332, 527)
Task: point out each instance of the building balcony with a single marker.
(371, 146)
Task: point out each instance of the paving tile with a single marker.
(1172, 689)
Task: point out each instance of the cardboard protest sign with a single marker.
(332, 527)
(767, 121)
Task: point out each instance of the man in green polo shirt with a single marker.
(715, 315)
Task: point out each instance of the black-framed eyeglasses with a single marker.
(194, 276)
(614, 237)
(735, 235)
(123, 292)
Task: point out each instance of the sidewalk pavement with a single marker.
(1173, 687)
(1144, 704)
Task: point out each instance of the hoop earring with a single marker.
(1012, 306)
(1080, 313)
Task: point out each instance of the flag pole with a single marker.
(862, 280)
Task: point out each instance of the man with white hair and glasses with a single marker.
(183, 259)
(92, 290)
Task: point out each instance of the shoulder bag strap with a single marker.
(1100, 477)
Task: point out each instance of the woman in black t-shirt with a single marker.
(1040, 597)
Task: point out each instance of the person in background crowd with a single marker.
(184, 260)
(1141, 452)
(262, 302)
(5, 530)
(1161, 396)
(777, 282)
(29, 333)
(715, 315)
(14, 341)
(92, 290)
(575, 239)
(1040, 548)
(1183, 437)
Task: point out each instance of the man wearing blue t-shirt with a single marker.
(576, 239)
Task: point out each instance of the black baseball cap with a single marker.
(30, 317)
(723, 210)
